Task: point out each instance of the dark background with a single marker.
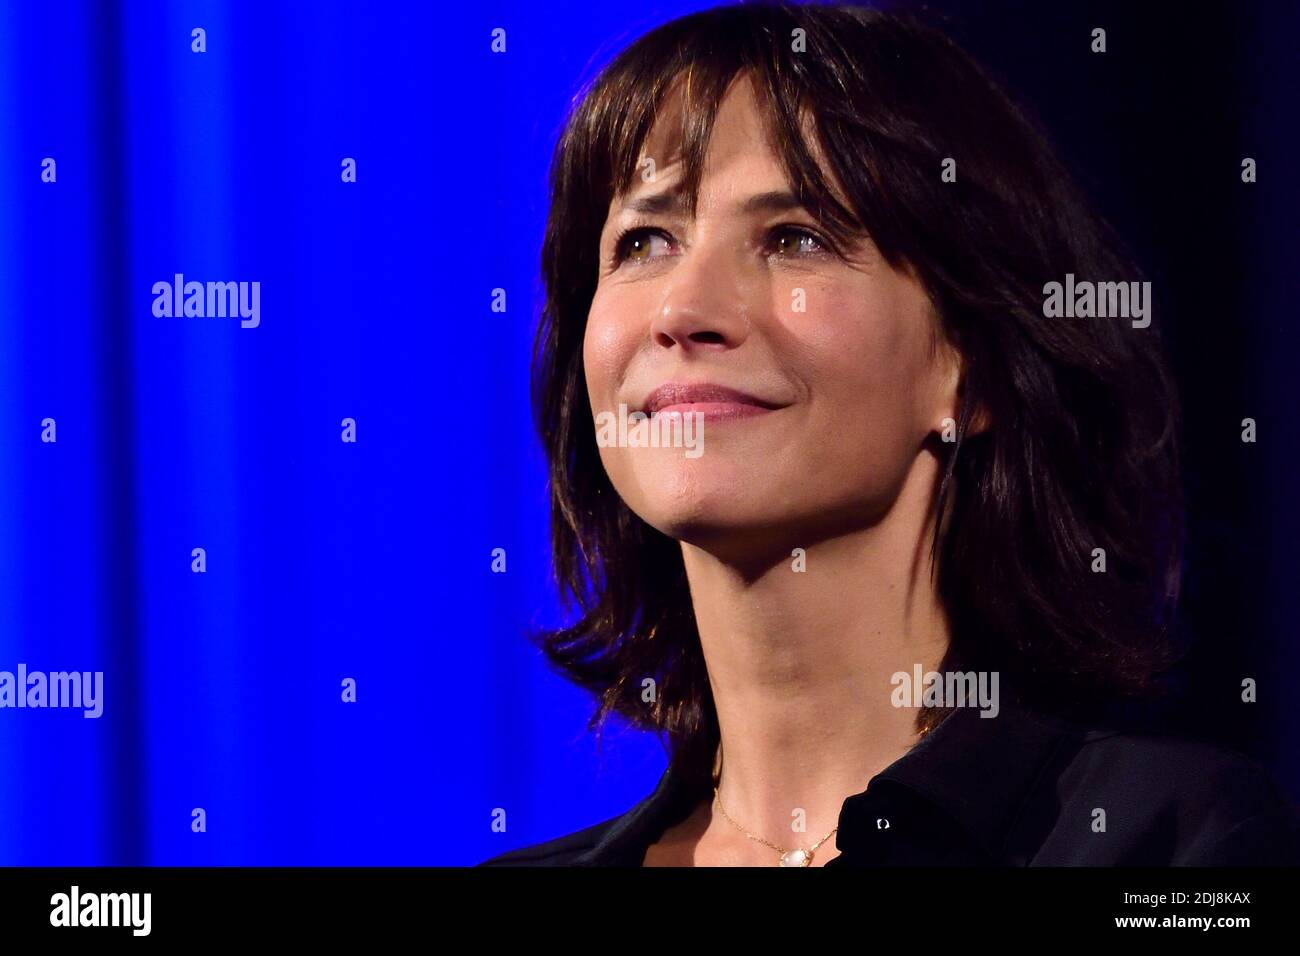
(1157, 127)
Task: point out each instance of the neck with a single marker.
(800, 665)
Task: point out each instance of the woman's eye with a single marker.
(640, 245)
(643, 244)
(791, 241)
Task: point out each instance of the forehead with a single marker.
(738, 132)
(740, 157)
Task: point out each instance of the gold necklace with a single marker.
(798, 856)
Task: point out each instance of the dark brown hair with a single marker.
(1081, 452)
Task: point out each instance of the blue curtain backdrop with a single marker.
(371, 560)
(325, 560)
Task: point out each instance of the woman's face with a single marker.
(830, 356)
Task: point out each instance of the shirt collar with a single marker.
(625, 842)
(976, 770)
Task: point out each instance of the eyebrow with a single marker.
(777, 200)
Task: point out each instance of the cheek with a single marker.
(865, 346)
(862, 351)
(607, 347)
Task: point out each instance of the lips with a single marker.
(718, 398)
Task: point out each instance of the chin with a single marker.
(739, 526)
(718, 502)
(683, 493)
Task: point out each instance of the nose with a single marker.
(707, 303)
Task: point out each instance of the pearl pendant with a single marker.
(797, 857)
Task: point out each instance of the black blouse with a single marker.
(1019, 789)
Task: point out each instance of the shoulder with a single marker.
(1207, 804)
(567, 850)
(1169, 767)
(619, 841)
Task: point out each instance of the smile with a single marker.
(713, 411)
(716, 403)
